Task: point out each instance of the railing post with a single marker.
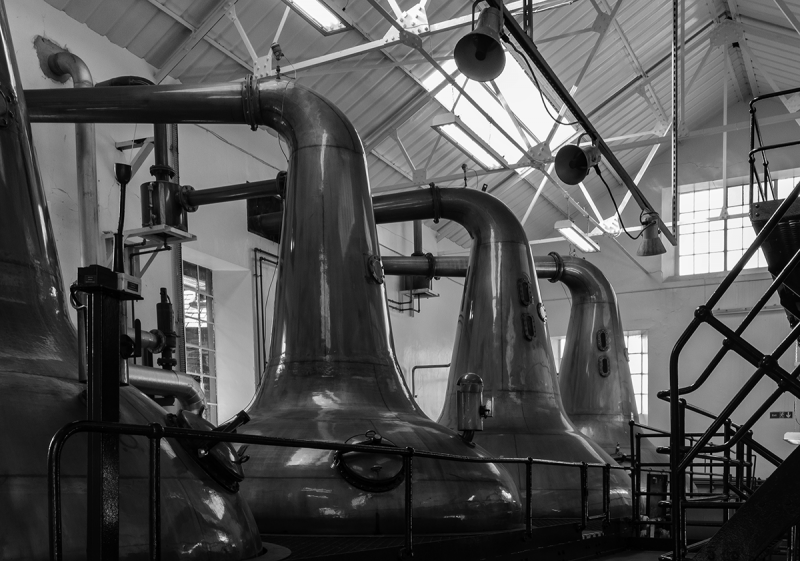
(408, 466)
(607, 493)
(636, 474)
(529, 497)
(726, 470)
(584, 495)
(155, 491)
(793, 545)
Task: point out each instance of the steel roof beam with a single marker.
(529, 47)
(216, 14)
(206, 38)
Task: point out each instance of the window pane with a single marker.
(686, 203)
(701, 243)
(192, 359)
(189, 274)
(715, 199)
(700, 264)
(635, 361)
(716, 240)
(734, 196)
(686, 244)
(206, 362)
(701, 200)
(192, 331)
(203, 276)
(637, 384)
(716, 262)
(686, 265)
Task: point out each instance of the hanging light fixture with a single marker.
(651, 244)
(574, 162)
(479, 54)
(577, 237)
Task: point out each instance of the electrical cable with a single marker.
(536, 82)
(597, 170)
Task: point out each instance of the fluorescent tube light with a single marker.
(577, 237)
(451, 127)
(317, 14)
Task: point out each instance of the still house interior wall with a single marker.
(220, 155)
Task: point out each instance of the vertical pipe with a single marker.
(725, 139)
(64, 63)
(155, 493)
(584, 495)
(528, 497)
(408, 464)
(675, 117)
(418, 238)
(177, 255)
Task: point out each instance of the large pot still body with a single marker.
(502, 336)
(595, 378)
(39, 393)
(333, 373)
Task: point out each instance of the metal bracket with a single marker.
(414, 22)
(145, 146)
(601, 22)
(541, 154)
(726, 32)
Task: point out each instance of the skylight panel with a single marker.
(458, 137)
(317, 14)
(521, 96)
(526, 104)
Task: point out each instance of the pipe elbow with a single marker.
(67, 63)
(585, 281)
(302, 116)
(486, 218)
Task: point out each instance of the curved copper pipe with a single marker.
(169, 383)
(502, 336)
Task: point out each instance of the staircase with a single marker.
(762, 514)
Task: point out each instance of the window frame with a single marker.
(211, 391)
(717, 184)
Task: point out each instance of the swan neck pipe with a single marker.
(157, 381)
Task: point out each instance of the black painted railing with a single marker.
(156, 432)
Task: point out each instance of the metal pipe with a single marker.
(169, 383)
(250, 190)
(424, 266)
(153, 341)
(418, 238)
(86, 160)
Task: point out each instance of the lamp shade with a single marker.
(651, 243)
(479, 54)
(574, 162)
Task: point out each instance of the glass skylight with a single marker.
(463, 141)
(318, 15)
(520, 95)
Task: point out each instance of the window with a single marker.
(198, 311)
(709, 243)
(636, 349)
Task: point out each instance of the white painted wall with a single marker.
(648, 302)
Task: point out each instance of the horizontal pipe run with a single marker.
(424, 266)
(266, 188)
(153, 342)
(180, 385)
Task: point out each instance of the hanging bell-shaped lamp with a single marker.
(651, 243)
(479, 54)
(574, 162)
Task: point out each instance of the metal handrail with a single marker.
(681, 456)
(420, 366)
(155, 432)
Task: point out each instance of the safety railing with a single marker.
(766, 364)
(729, 478)
(156, 432)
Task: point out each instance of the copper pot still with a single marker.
(40, 392)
